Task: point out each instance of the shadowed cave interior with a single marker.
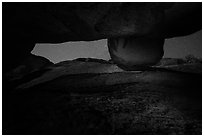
(144, 80)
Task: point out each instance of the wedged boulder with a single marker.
(136, 53)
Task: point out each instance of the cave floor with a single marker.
(138, 103)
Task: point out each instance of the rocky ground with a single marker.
(99, 98)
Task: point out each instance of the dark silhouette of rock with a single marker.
(187, 64)
(62, 22)
(192, 59)
(171, 61)
(29, 65)
(92, 60)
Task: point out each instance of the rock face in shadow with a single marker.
(193, 64)
(71, 98)
(29, 65)
(62, 22)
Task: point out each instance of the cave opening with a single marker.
(177, 47)
(73, 50)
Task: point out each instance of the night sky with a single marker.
(177, 47)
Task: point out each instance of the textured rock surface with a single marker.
(160, 101)
(136, 53)
(62, 22)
